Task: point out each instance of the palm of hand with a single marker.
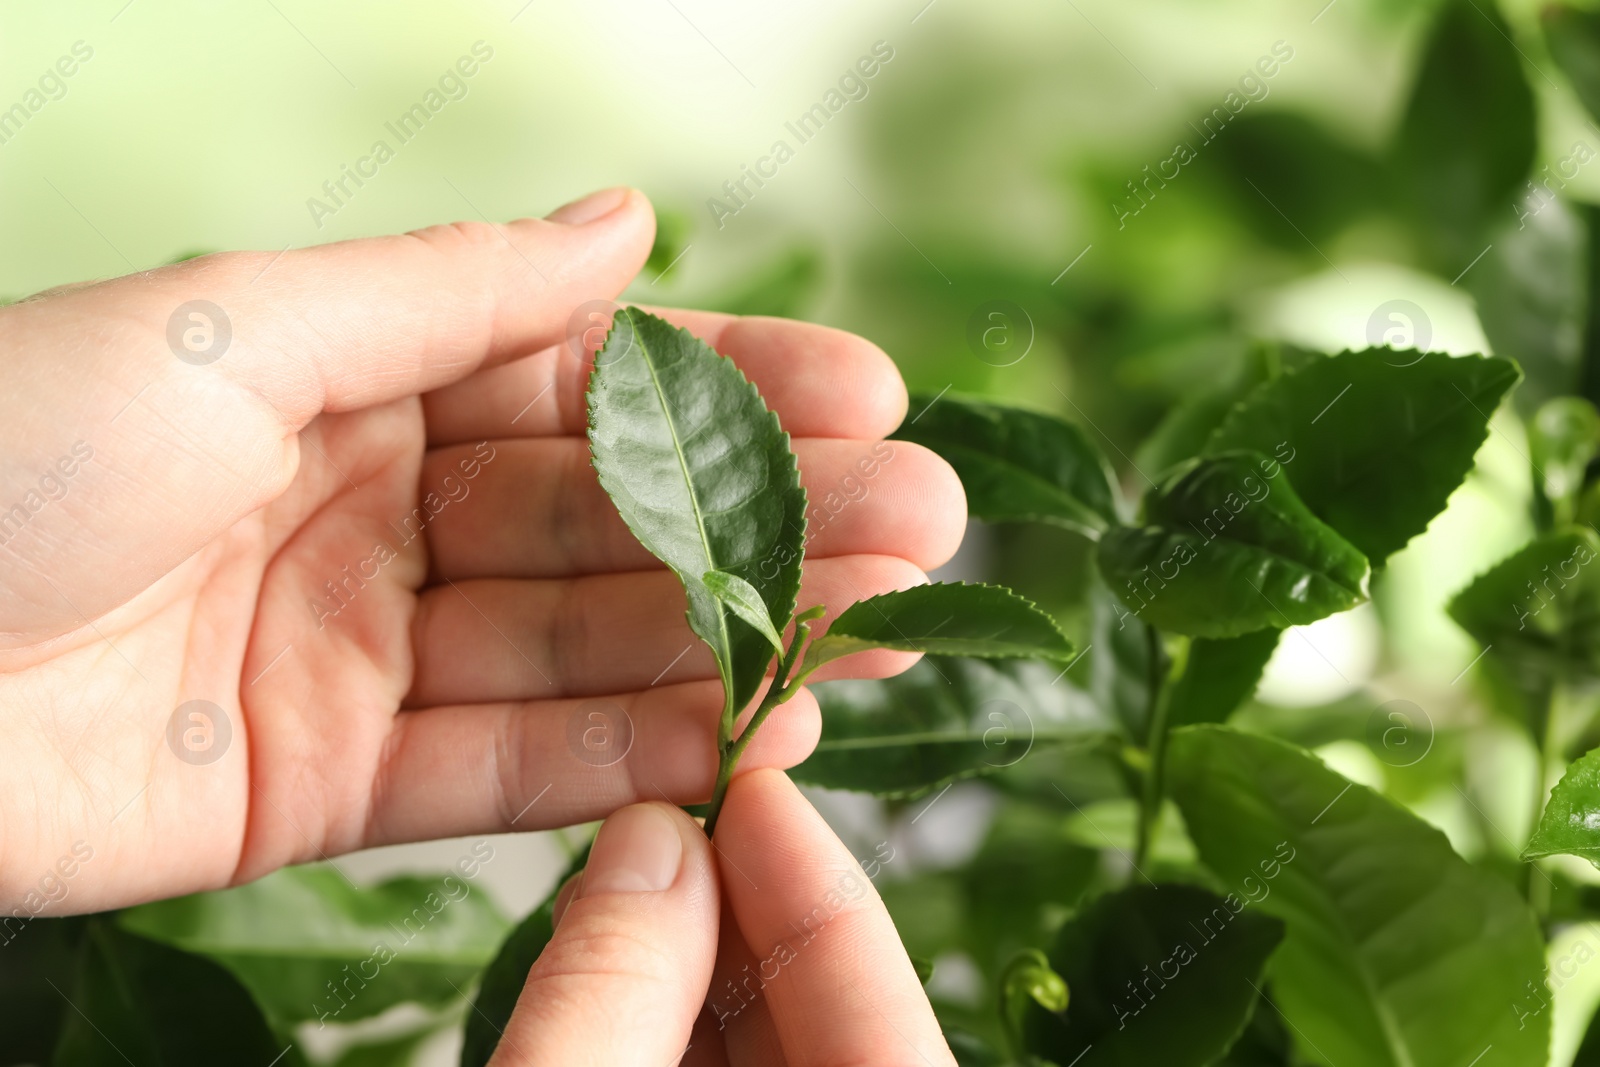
(400, 611)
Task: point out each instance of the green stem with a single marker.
(729, 750)
(1156, 744)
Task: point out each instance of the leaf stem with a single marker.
(778, 691)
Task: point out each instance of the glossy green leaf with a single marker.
(507, 973)
(1017, 465)
(1397, 952)
(703, 476)
(1570, 824)
(313, 948)
(137, 1001)
(1573, 37)
(1467, 139)
(740, 597)
(1540, 606)
(1159, 975)
(945, 718)
(1227, 549)
(947, 618)
(1218, 676)
(1532, 294)
(1375, 441)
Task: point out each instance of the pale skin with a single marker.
(184, 561)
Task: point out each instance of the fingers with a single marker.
(189, 418)
(831, 970)
(451, 771)
(498, 639)
(623, 979)
(534, 508)
(822, 382)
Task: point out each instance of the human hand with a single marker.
(247, 532)
(768, 948)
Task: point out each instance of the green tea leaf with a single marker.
(1469, 133)
(703, 475)
(1397, 952)
(507, 973)
(137, 1001)
(311, 947)
(1570, 824)
(1017, 465)
(1532, 294)
(1573, 37)
(1375, 441)
(1540, 606)
(740, 597)
(952, 619)
(1159, 975)
(945, 718)
(1229, 549)
(1218, 676)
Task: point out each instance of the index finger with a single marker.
(822, 382)
(837, 982)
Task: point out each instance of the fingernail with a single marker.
(594, 206)
(638, 851)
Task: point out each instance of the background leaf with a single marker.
(1375, 441)
(1218, 676)
(507, 973)
(1015, 464)
(1228, 550)
(1397, 952)
(41, 953)
(1468, 136)
(291, 933)
(1532, 294)
(1540, 606)
(949, 618)
(1121, 677)
(140, 1002)
(1158, 975)
(947, 717)
(1573, 36)
(703, 476)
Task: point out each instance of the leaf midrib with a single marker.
(694, 497)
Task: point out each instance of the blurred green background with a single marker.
(996, 165)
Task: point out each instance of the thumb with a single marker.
(627, 971)
(188, 385)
